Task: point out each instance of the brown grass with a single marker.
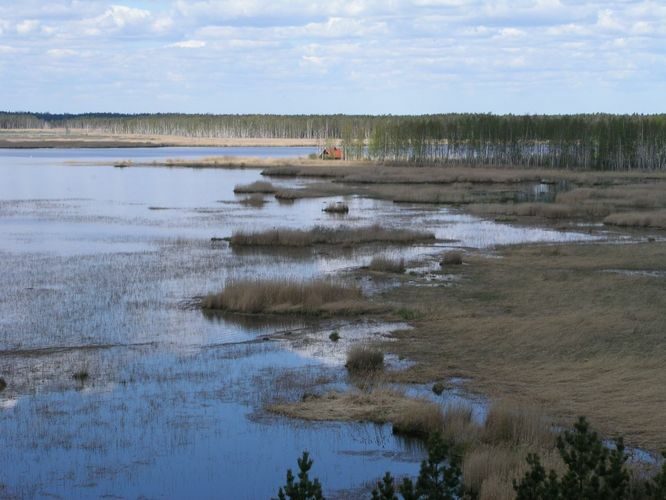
(387, 265)
(380, 406)
(363, 359)
(263, 187)
(549, 326)
(320, 235)
(652, 219)
(284, 296)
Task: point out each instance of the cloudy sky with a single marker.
(333, 56)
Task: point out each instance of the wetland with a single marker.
(118, 383)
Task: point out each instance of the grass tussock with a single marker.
(387, 265)
(452, 259)
(263, 187)
(337, 207)
(286, 296)
(517, 425)
(320, 235)
(364, 359)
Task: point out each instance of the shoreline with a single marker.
(61, 138)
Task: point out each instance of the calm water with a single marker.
(95, 265)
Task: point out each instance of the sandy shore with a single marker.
(62, 138)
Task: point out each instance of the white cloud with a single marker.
(26, 27)
(60, 53)
(189, 44)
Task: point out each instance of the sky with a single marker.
(332, 56)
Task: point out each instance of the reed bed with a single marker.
(320, 235)
(338, 207)
(286, 296)
(263, 187)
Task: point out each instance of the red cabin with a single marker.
(334, 153)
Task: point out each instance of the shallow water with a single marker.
(95, 266)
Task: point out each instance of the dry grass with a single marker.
(363, 359)
(548, 325)
(517, 425)
(337, 207)
(652, 219)
(284, 296)
(320, 235)
(262, 187)
(381, 406)
(387, 265)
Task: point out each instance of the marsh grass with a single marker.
(320, 235)
(387, 265)
(452, 259)
(286, 296)
(337, 207)
(650, 219)
(263, 187)
(549, 324)
(363, 359)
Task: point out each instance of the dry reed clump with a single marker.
(364, 359)
(654, 219)
(458, 426)
(285, 296)
(452, 259)
(387, 265)
(255, 187)
(423, 420)
(337, 207)
(254, 200)
(517, 425)
(332, 236)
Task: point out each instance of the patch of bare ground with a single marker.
(319, 297)
(546, 325)
(320, 235)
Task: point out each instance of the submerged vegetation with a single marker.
(585, 141)
(321, 235)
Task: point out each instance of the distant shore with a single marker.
(62, 138)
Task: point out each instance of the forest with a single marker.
(581, 141)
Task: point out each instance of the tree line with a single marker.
(582, 141)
